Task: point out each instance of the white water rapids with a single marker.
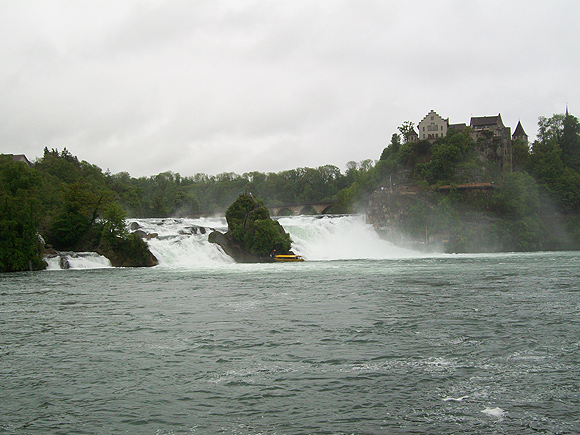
(183, 243)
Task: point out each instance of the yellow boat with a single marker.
(287, 258)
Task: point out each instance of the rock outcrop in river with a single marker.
(252, 236)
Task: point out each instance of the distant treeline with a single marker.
(170, 194)
(73, 205)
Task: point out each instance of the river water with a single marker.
(363, 338)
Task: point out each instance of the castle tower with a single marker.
(519, 132)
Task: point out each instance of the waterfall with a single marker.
(183, 243)
(345, 237)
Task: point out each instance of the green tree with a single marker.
(448, 154)
(72, 226)
(550, 129)
(20, 216)
(406, 129)
(113, 222)
(518, 203)
(393, 147)
(553, 169)
(520, 155)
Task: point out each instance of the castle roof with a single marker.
(485, 121)
(19, 158)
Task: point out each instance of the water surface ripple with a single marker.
(447, 344)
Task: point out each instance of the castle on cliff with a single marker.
(494, 139)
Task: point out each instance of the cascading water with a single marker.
(183, 243)
(345, 237)
(76, 260)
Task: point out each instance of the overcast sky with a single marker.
(268, 85)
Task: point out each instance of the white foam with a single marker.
(76, 260)
(494, 412)
(183, 243)
(454, 399)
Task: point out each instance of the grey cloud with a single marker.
(197, 86)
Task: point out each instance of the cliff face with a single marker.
(402, 218)
(434, 221)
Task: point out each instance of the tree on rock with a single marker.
(250, 225)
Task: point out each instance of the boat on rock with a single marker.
(288, 258)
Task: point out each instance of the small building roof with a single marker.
(433, 113)
(458, 127)
(19, 158)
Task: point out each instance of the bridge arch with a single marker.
(284, 211)
(308, 210)
(326, 209)
(298, 209)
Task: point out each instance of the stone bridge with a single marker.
(282, 210)
(298, 209)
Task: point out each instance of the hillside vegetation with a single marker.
(535, 206)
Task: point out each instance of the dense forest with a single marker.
(69, 204)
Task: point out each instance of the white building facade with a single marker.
(432, 126)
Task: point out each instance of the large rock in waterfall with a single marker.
(252, 236)
(235, 250)
(130, 251)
